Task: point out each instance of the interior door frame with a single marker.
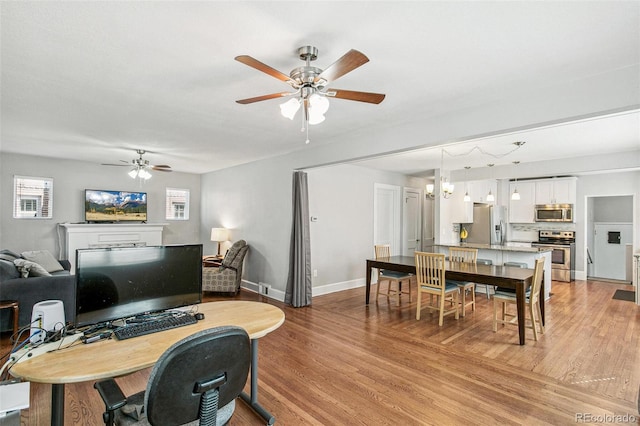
(396, 220)
(405, 192)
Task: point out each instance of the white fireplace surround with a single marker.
(99, 235)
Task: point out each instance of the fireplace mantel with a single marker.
(99, 235)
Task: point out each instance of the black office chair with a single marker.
(198, 378)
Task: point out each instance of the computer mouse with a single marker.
(199, 316)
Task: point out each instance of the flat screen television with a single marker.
(114, 206)
(122, 282)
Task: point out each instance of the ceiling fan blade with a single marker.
(117, 165)
(350, 61)
(264, 98)
(372, 98)
(254, 63)
(161, 168)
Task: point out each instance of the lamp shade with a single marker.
(219, 234)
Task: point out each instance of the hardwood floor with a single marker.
(340, 362)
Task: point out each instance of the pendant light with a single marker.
(467, 198)
(516, 195)
(490, 197)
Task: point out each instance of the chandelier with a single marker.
(446, 187)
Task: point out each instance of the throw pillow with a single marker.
(8, 255)
(8, 270)
(30, 269)
(43, 258)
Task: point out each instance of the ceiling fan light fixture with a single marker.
(318, 103)
(288, 109)
(133, 173)
(144, 174)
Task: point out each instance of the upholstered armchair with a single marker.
(227, 277)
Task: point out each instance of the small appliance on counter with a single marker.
(488, 225)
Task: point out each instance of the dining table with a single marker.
(516, 278)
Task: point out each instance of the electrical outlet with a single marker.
(263, 288)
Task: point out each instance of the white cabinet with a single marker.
(522, 210)
(556, 191)
(479, 189)
(461, 211)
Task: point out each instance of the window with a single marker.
(32, 197)
(177, 204)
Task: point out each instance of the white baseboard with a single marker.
(316, 291)
(254, 287)
(332, 288)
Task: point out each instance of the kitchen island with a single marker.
(500, 254)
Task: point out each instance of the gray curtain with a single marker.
(298, 292)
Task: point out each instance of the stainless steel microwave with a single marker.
(554, 213)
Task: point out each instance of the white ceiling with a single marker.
(94, 81)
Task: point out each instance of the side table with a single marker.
(211, 261)
(6, 304)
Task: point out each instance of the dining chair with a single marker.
(504, 298)
(384, 251)
(487, 287)
(431, 280)
(465, 255)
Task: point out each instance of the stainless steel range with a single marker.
(563, 253)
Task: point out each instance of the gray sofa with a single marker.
(60, 285)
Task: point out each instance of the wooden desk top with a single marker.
(113, 358)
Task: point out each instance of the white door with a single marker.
(412, 219)
(386, 216)
(609, 250)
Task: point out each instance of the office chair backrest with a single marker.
(217, 358)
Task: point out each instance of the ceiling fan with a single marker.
(140, 166)
(310, 84)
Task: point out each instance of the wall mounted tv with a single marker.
(122, 282)
(102, 206)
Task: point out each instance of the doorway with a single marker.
(610, 238)
(411, 221)
(386, 216)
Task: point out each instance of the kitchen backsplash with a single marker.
(529, 231)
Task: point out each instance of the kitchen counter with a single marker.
(517, 247)
(500, 254)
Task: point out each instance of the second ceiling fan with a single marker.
(310, 84)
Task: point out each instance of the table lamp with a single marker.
(219, 235)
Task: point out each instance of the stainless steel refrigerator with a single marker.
(487, 226)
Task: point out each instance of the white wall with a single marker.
(600, 185)
(341, 198)
(254, 202)
(70, 179)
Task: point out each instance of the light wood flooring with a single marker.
(340, 362)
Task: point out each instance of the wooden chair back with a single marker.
(430, 270)
(538, 276)
(382, 250)
(463, 254)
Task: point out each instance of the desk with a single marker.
(95, 361)
(503, 276)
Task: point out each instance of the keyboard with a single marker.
(153, 326)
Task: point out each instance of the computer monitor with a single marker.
(122, 282)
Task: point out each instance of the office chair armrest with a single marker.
(111, 394)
